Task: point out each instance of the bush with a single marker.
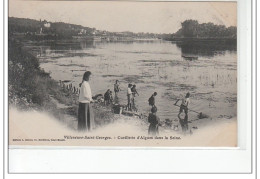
(26, 80)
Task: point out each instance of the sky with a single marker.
(116, 16)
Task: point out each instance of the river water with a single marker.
(165, 67)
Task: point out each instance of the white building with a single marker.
(47, 25)
(82, 31)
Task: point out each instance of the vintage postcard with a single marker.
(134, 74)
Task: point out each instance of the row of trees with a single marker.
(61, 29)
(30, 26)
(22, 25)
(65, 30)
(191, 28)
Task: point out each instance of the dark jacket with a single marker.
(107, 96)
(154, 124)
(151, 100)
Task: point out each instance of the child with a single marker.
(107, 97)
(116, 87)
(110, 97)
(184, 104)
(154, 122)
(151, 100)
(184, 107)
(184, 123)
(134, 92)
(129, 96)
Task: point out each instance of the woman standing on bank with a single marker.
(85, 112)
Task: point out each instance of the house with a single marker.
(47, 25)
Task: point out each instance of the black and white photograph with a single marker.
(136, 74)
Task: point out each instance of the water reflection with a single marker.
(195, 49)
(70, 45)
(153, 66)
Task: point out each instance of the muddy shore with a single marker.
(41, 128)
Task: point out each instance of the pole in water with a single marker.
(200, 114)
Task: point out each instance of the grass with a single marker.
(32, 88)
(29, 86)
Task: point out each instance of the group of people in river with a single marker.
(108, 96)
(86, 116)
(131, 94)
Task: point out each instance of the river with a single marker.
(208, 71)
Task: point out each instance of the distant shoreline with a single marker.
(201, 39)
(45, 37)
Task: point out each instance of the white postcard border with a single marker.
(130, 160)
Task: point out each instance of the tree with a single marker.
(189, 28)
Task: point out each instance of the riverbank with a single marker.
(31, 88)
(40, 128)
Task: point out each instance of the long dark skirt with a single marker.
(153, 130)
(85, 117)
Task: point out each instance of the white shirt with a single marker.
(185, 101)
(129, 92)
(85, 95)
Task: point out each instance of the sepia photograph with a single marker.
(122, 74)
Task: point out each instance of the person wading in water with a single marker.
(134, 92)
(86, 120)
(116, 90)
(129, 97)
(184, 107)
(116, 87)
